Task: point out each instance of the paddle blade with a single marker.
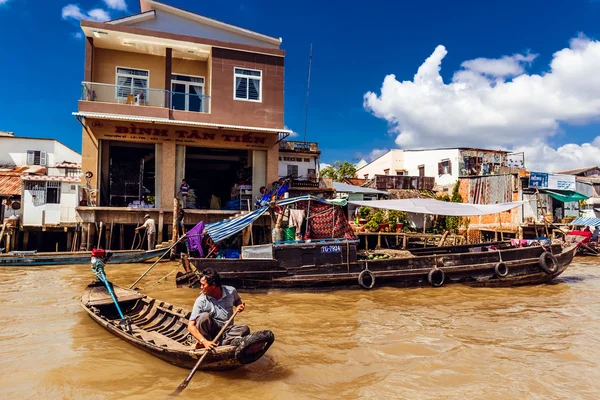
(179, 389)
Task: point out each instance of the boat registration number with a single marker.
(331, 249)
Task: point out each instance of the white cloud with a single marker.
(294, 134)
(541, 157)
(3, 2)
(78, 35)
(98, 14)
(74, 12)
(493, 103)
(376, 153)
(116, 4)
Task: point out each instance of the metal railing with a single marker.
(118, 94)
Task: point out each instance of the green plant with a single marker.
(377, 217)
(372, 226)
(364, 212)
(339, 170)
(393, 216)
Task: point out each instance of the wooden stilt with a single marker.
(121, 236)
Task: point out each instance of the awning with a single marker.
(219, 231)
(222, 230)
(437, 207)
(586, 221)
(567, 197)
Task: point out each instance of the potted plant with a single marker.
(372, 226)
(363, 214)
(380, 219)
(402, 220)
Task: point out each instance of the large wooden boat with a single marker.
(336, 263)
(328, 256)
(160, 329)
(34, 259)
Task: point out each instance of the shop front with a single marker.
(141, 165)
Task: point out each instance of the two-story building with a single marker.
(39, 184)
(445, 165)
(299, 160)
(169, 95)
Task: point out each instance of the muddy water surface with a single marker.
(452, 342)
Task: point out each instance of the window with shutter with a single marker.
(43, 158)
(132, 81)
(421, 171)
(30, 157)
(247, 84)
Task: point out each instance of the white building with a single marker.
(445, 165)
(50, 196)
(299, 159)
(390, 163)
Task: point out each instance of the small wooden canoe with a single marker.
(160, 329)
(35, 259)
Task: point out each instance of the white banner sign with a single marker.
(561, 182)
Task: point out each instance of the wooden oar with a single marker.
(152, 266)
(187, 380)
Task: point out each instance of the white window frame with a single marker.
(260, 89)
(187, 87)
(117, 74)
(43, 158)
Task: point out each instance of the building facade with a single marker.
(39, 185)
(445, 165)
(299, 160)
(170, 95)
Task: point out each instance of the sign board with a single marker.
(159, 133)
(538, 180)
(542, 180)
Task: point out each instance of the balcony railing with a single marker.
(118, 94)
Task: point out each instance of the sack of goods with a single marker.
(191, 199)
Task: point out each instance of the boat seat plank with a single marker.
(100, 296)
(157, 338)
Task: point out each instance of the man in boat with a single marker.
(211, 311)
(150, 226)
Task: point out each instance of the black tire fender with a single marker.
(361, 279)
(548, 262)
(436, 277)
(254, 346)
(501, 269)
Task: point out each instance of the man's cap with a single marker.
(147, 216)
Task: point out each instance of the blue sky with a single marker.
(354, 48)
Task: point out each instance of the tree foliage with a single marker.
(339, 170)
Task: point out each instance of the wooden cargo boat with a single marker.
(335, 263)
(160, 329)
(34, 259)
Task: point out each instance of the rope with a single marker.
(165, 277)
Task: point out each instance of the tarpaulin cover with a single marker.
(326, 221)
(223, 229)
(586, 221)
(438, 207)
(568, 196)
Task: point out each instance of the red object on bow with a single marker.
(98, 252)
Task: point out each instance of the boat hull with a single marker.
(469, 268)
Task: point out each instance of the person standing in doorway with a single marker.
(150, 226)
(183, 190)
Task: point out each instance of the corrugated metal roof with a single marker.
(10, 185)
(345, 188)
(10, 178)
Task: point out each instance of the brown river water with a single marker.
(454, 342)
